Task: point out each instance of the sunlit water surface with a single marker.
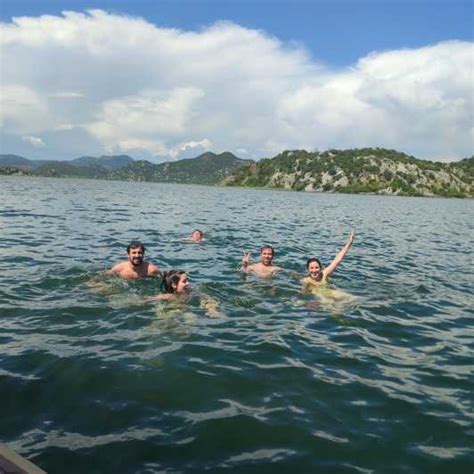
(93, 380)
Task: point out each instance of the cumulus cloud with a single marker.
(34, 141)
(154, 147)
(22, 109)
(144, 116)
(66, 95)
(186, 147)
(139, 87)
(65, 126)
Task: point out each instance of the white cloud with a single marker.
(165, 91)
(65, 126)
(66, 95)
(22, 109)
(183, 147)
(154, 147)
(144, 116)
(34, 141)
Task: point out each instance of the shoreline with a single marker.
(259, 188)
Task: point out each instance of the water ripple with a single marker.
(94, 378)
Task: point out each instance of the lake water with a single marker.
(92, 380)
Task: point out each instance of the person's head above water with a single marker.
(135, 252)
(267, 252)
(197, 235)
(265, 267)
(135, 244)
(175, 281)
(135, 266)
(315, 268)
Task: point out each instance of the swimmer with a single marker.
(175, 283)
(265, 267)
(317, 274)
(177, 287)
(197, 236)
(135, 266)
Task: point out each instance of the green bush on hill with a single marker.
(357, 166)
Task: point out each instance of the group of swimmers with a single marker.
(175, 283)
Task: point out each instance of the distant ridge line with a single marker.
(365, 170)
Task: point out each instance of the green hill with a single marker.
(367, 170)
(64, 169)
(21, 162)
(110, 163)
(207, 168)
(82, 167)
(15, 171)
(15, 160)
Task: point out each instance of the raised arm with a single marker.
(340, 256)
(245, 262)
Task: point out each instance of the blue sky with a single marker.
(323, 26)
(300, 74)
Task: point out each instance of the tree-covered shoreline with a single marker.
(366, 170)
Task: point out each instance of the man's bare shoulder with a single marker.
(153, 270)
(118, 267)
(123, 270)
(264, 270)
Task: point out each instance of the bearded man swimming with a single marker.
(135, 266)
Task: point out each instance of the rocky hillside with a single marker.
(368, 170)
(207, 168)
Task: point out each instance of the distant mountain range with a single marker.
(96, 165)
(367, 170)
(208, 168)
(110, 163)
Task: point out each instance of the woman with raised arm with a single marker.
(317, 274)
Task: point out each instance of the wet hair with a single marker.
(268, 247)
(135, 244)
(170, 280)
(197, 230)
(311, 260)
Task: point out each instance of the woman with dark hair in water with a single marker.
(177, 287)
(317, 274)
(175, 283)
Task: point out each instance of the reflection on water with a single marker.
(373, 372)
